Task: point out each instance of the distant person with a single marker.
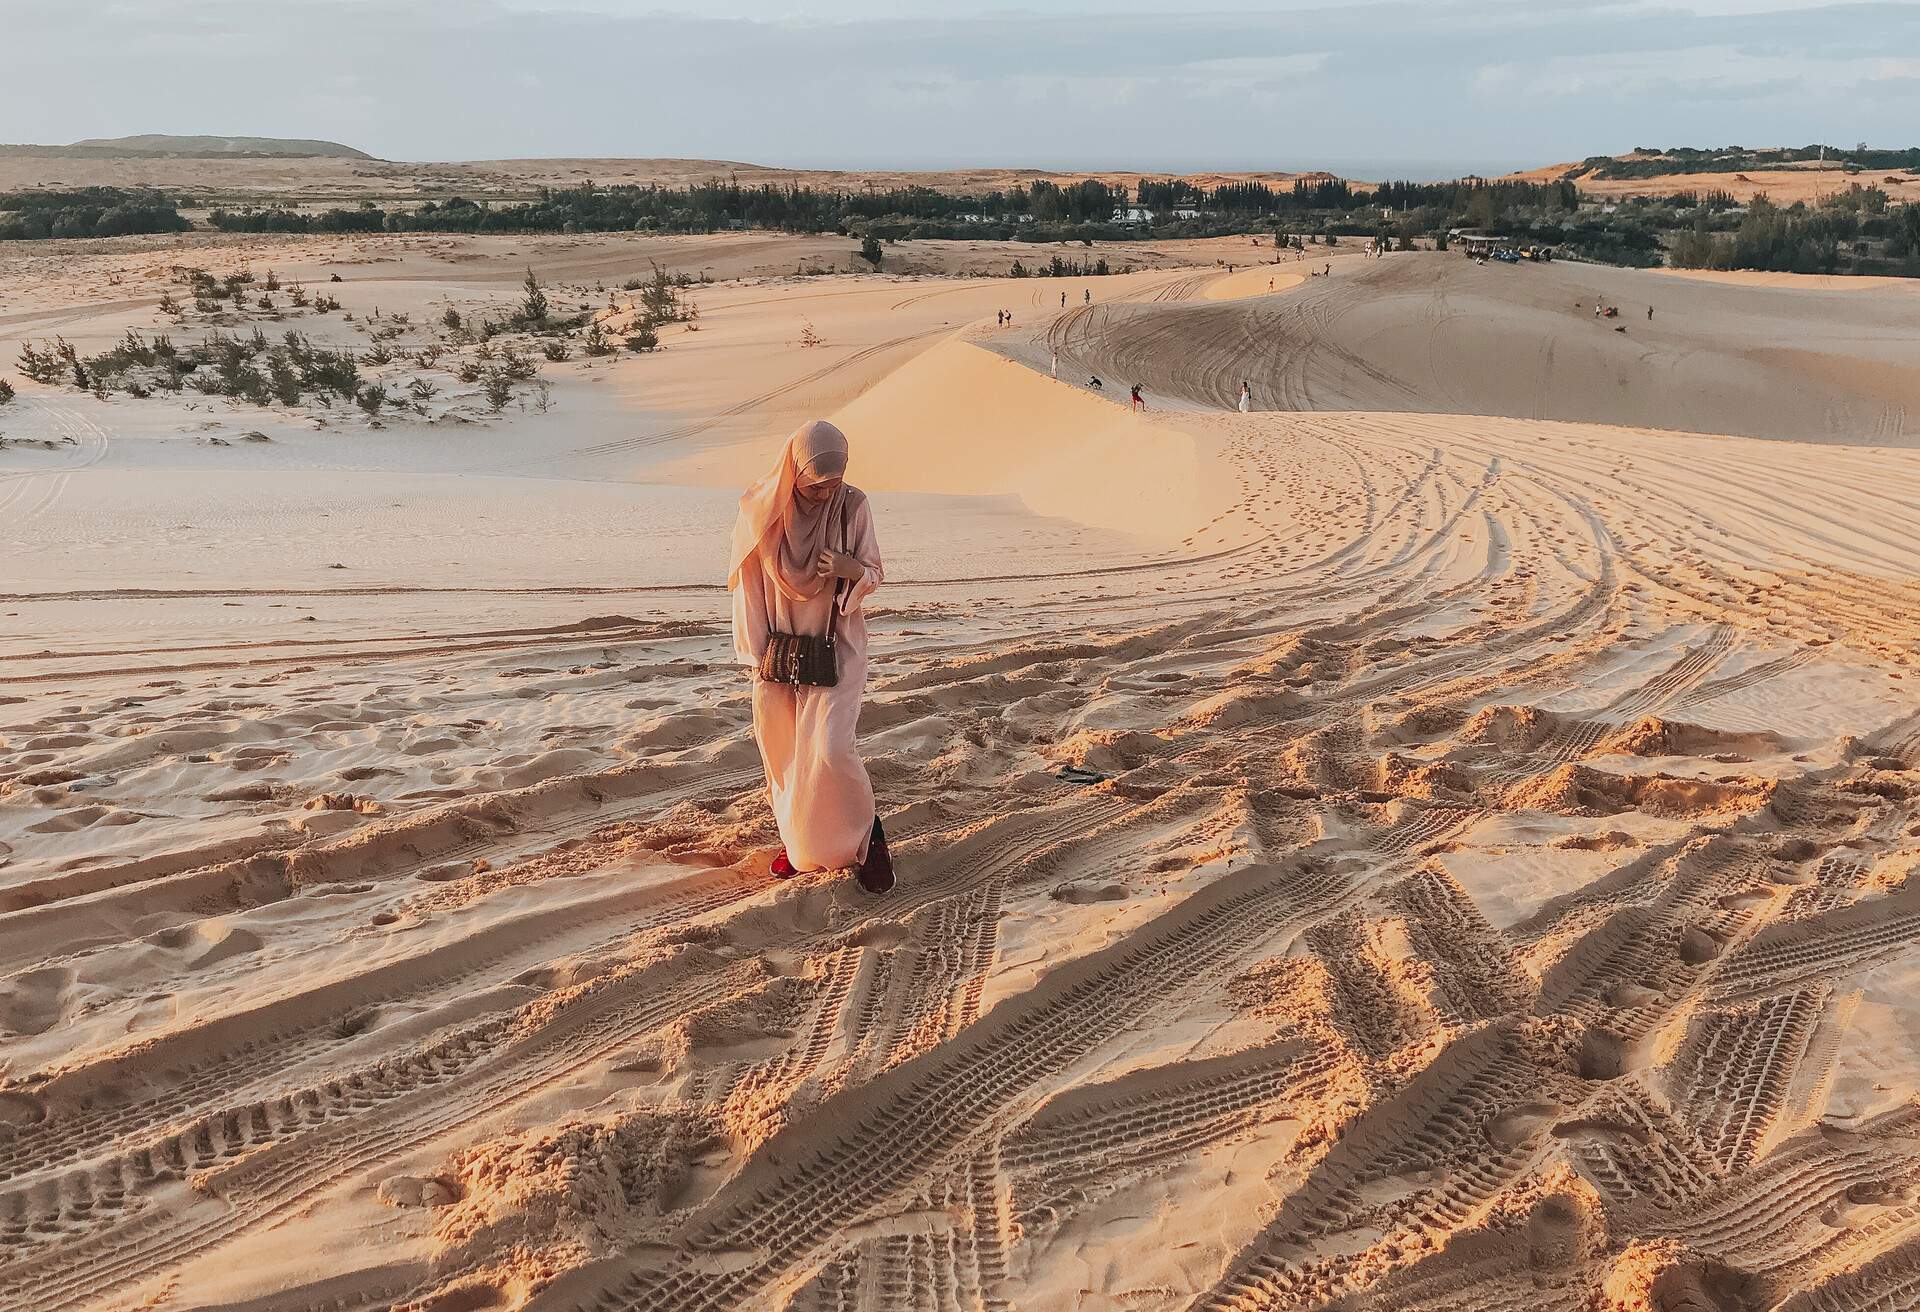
(1000, 318)
(1328, 270)
(804, 558)
(1086, 296)
(1093, 381)
(1055, 370)
(1139, 402)
(1649, 314)
(1269, 284)
(1246, 397)
(1063, 300)
(1596, 309)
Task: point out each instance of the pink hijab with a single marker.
(787, 533)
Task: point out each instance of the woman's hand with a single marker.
(839, 565)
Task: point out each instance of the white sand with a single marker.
(1500, 893)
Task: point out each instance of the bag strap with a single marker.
(833, 612)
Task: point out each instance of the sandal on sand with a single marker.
(782, 868)
(876, 872)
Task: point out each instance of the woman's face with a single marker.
(816, 491)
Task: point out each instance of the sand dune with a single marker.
(1496, 891)
(1434, 332)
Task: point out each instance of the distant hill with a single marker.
(1675, 161)
(161, 144)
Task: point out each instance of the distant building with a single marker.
(1132, 215)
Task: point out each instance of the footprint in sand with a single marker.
(21, 1109)
(84, 817)
(1561, 1229)
(35, 1001)
(1083, 894)
(207, 942)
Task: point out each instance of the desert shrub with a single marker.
(168, 305)
(497, 388)
(422, 390)
(324, 304)
(554, 350)
(378, 353)
(660, 301)
(334, 371)
(371, 397)
(297, 294)
(6, 391)
(870, 250)
(595, 342)
(40, 363)
(130, 352)
(533, 306)
(467, 371)
(282, 379)
(517, 366)
(451, 318)
(643, 337)
(428, 356)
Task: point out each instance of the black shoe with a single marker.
(876, 872)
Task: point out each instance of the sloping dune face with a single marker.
(1453, 863)
(1434, 332)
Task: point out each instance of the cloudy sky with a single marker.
(1433, 87)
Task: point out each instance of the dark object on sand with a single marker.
(1079, 774)
(876, 872)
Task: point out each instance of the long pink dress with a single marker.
(821, 796)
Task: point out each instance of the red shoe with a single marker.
(876, 872)
(781, 867)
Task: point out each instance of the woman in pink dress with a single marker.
(804, 559)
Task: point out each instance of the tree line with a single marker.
(87, 212)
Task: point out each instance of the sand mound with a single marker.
(1576, 789)
(1653, 736)
(1514, 728)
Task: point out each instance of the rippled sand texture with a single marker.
(1498, 894)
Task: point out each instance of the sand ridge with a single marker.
(1495, 888)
